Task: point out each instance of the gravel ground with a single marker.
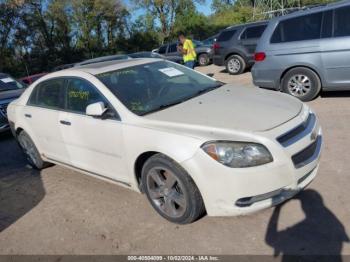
(59, 211)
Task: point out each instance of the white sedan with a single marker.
(190, 143)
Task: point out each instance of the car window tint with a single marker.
(162, 49)
(305, 27)
(342, 22)
(253, 32)
(226, 35)
(172, 48)
(327, 24)
(48, 94)
(80, 94)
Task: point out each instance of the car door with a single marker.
(250, 37)
(94, 144)
(43, 114)
(335, 47)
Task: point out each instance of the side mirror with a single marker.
(96, 109)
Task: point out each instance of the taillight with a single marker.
(216, 46)
(258, 57)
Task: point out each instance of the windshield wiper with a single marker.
(161, 107)
(164, 106)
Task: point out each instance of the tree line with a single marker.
(37, 35)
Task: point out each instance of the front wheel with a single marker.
(203, 60)
(235, 65)
(302, 83)
(171, 191)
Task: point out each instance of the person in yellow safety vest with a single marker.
(187, 50)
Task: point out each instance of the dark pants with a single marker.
(190, 64)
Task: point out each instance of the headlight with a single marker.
(238, 154)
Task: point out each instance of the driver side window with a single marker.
(80, 94)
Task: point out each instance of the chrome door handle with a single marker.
(65, 123)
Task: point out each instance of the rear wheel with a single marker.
(171, 191)
(203, 59)
(31, 152)
(235, 65)
(302, 83)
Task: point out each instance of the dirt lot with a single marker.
(58, 211)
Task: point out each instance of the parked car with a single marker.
(157, 127)
(10, 89)
(102, 59)
(175, 59)
(306, 51)
(235, 47)
(204, 52)
(31, 79)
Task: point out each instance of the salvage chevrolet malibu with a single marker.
(190, 143)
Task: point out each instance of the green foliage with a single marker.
(37, 35)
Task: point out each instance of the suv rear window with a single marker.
(305, 27)
(253, 32)
(226, 35)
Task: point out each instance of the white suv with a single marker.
(191, 143)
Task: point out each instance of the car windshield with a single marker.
(150, 87)
(8, 83)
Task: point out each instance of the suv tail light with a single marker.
(260, 56)
(216, 46)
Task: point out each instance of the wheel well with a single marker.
(290, 68)
(227, 56)
(140, 161)
(202, 53)
(18, 130)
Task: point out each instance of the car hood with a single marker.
(10, 94)
(236, 108)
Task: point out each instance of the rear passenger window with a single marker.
(48, 94)
(327, 24)
(162, 49)
(80, 94)
(342, 22)
(172, 48)
(305, 27)
(226, 35)
(253, 32)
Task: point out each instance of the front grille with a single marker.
(307, 155)
(299, 132)
(3, 110)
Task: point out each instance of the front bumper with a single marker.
(235, 191)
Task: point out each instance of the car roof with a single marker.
(246, 25)
(313, 9)
(102, 59)
(3, 75)
(102, 67)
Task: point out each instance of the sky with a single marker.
(203, 8)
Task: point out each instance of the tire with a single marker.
(171, 191)
(235, 65)
(203, 60)
(302, 83)
(31, 152)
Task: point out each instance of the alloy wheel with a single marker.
(299, 85)
(234, 65)
(166, 192)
